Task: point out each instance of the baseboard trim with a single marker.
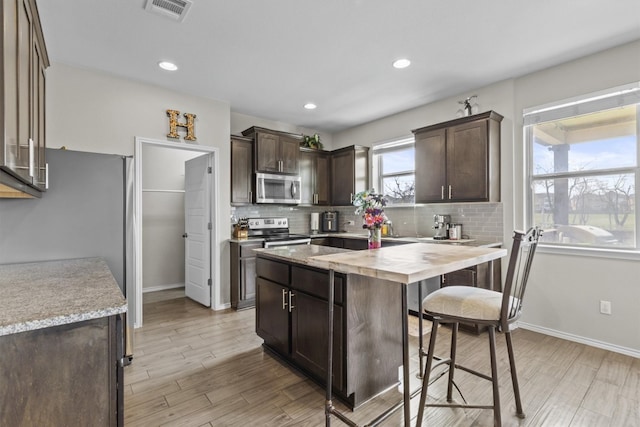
(582, 340)
(219, 307)
(162, 287)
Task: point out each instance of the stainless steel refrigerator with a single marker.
(87, 212)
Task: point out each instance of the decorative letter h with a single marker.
(173, 125)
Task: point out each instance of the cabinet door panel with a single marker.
(289, 154)
(431, 166)
(342, 178)
(356, 244)
(248, 282)
(267, 152)
(466, 277)
(309, 331)
(272, 320)
(25, 43)
(307, 177)
(323, 167)
(316, 283)
(241, 171)
(273, 270)
(467, 162)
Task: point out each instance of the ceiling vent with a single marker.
(174, 9)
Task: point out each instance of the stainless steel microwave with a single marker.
(274, 188)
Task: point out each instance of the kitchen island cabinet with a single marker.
(459, 160)
(385, 274)
(291, 313)
(61, 344)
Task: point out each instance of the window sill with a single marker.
(620, 254)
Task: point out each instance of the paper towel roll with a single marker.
(315, 222)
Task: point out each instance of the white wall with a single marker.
(564, 290)
(97, 112)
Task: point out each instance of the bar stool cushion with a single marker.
(464, 302)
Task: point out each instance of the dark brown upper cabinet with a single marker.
(241, 170)
(275, 151)
(314, 174)
(23, 169)
(459, 160)
(349, 174)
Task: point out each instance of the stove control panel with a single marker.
(267, 223)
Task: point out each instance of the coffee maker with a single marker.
(441, 226)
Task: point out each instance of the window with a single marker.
(583, 169)
(393, 170)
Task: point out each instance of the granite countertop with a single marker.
(404, 264)
(299, 253)
(408, 239)
(44, 294)
(346, 235)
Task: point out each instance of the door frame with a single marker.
(137, 216)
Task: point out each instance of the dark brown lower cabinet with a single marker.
(291, 318)
(309, 330)
(64, 375)
(243, 274)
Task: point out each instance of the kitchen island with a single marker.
(60, 341)
(291, 317)
(383, 275)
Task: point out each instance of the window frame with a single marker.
(573, 107)
(377, 152)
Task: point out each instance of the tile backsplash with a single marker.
(482, 221)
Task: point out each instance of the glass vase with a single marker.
(375, 238)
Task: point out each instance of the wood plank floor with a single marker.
(196, 367)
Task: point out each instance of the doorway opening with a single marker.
(160, 199)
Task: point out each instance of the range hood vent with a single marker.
(174, 9)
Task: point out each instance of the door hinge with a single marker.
(209, 282)
(209, 169)
(210, 226)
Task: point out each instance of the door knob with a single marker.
(184, 235)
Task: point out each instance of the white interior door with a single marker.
(197, 216)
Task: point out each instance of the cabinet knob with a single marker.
(184, 236)
(284, 299)
(449, 192)
(442, 192)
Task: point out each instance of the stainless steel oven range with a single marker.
(275, 232)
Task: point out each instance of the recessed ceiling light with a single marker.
(310, 106)
(166, 65)
(401, 63)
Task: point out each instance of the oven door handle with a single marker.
(292, 242)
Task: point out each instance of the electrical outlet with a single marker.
(350, 222)
(605, 307)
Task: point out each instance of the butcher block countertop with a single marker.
(43, 294)
(404, 264)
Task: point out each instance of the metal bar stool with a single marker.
(496, 310)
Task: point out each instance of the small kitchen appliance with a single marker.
(441, 226)
(278, 188)
(330, 222)
(455, 231)
(314, 223)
